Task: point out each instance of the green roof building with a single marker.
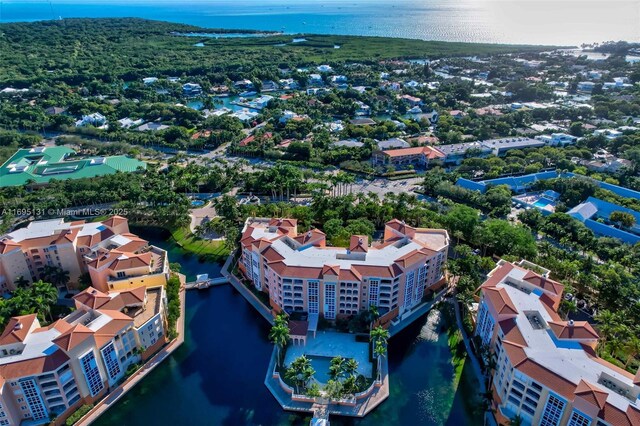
(40, 165)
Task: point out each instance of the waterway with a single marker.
(216, 377)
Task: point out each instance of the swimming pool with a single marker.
(321, 364)
(197, 203)
(542, 203)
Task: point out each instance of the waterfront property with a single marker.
(300, 273)
(327, 344)
(50, 371)
(596, 215)
(114, 258)
(547, 370)
(40, 165)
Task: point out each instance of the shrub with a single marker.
(78, 414)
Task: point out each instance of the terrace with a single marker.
(326, 345)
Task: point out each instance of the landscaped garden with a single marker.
(331, 364)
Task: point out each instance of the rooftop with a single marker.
(43, 164)
(554, 352)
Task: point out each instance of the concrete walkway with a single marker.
(114, 396)
(415, 314)
(243, 290)
(477, 369)
(360, 409)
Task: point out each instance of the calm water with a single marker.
(217, 375)
(559, 22)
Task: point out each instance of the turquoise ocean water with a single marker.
(560, 22)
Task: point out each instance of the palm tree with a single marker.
(279, 336)
(606, 324)
(336, 369)
(300, 372)
(44, 296)
(633, 349)
(350, 367)
(379, 334)
(21, 282)
(372, 316)
(380, 350)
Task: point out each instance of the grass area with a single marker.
(210, 250)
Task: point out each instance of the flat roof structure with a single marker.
(558, 354)
(42, 164)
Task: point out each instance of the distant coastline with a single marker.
(431, 20)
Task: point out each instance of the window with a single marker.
(330, 300)
(111, 360)
(36, 405)
(579, 419)
(408, 289)
(552, 411)
(374, 292)
(313, 296)
(121, 274)
(92, 373)
(484, 327)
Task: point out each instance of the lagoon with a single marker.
(216, 377)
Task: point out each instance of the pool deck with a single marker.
(361, 408)
(329, 344)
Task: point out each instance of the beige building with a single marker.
(301, 274)
(52, 370)
(114, 258)
(547, 371)
(403, 157)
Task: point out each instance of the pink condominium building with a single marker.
(49, 371)
(547, 370)
(114, 258)
(300, 273)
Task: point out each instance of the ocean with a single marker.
(550, 22)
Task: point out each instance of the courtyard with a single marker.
(329, 344)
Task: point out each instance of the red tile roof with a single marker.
(579, 330)
(33, 366)
(500, 300)
(592, 394)
(512, 332)
(73, 337)
(544, 283)
(298, 328)
(359, 244)
(428, 151)
(8, 245)
(17, 329)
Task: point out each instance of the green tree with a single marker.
(624, 219)
(279, 335)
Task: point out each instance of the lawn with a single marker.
(204, 248)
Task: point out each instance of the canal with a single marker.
(216, 377)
